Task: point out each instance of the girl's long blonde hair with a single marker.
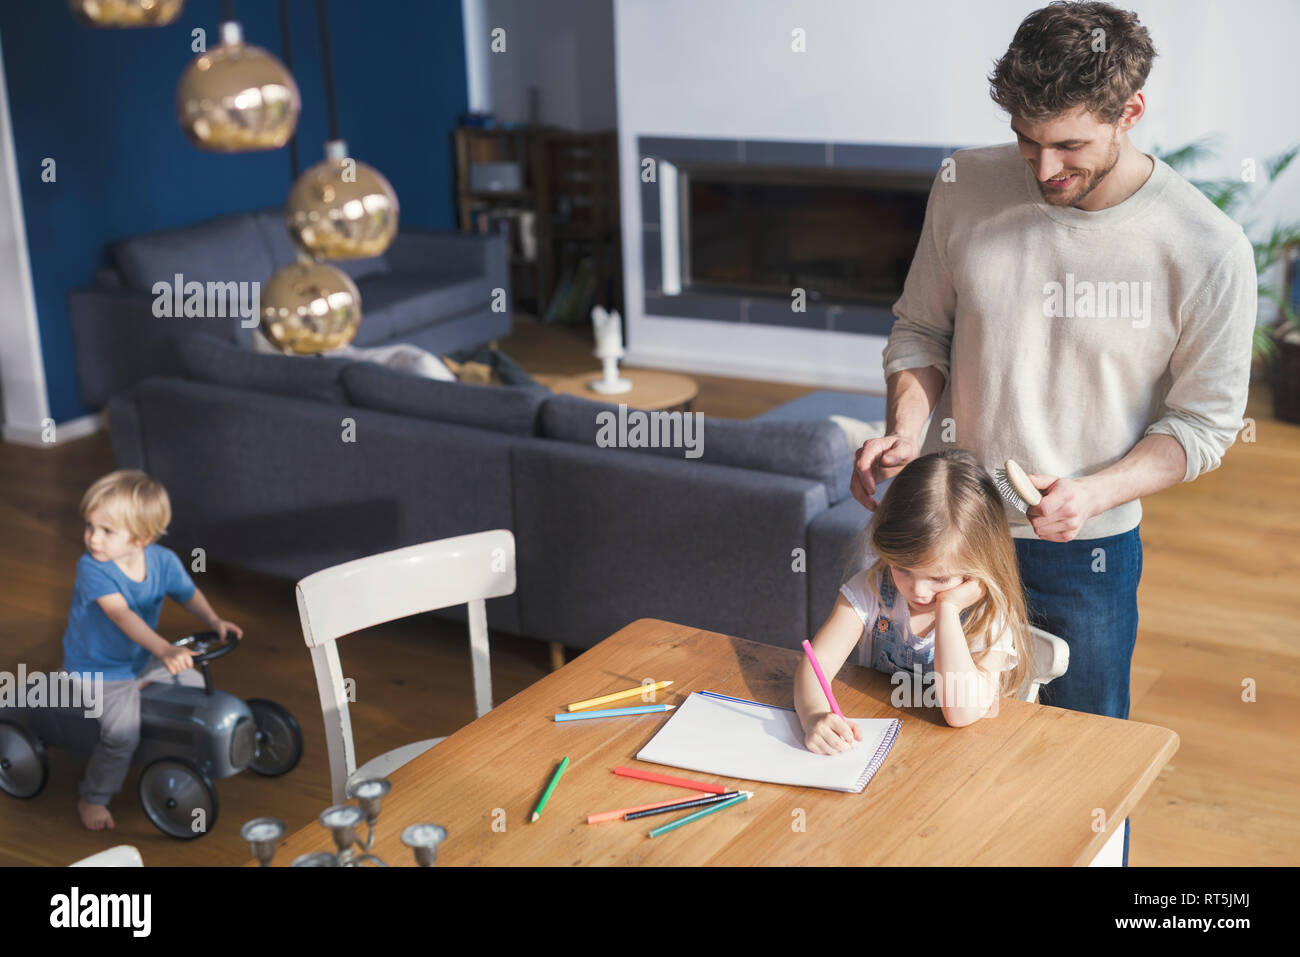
(943, 509)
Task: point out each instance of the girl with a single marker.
(941, 592)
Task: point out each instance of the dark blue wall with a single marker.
(101, 103)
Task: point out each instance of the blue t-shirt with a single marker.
(92, 642)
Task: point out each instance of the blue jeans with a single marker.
(1086, 593)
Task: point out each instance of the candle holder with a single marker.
(608, 327)
(342, 821)
(262, 835)
(424, 840)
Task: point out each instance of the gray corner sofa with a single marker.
(747, 539)
(432, 289)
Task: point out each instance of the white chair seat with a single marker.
(390, 761)
(124, 855)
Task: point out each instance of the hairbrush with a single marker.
(1015, 487)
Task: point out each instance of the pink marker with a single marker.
(826, 685)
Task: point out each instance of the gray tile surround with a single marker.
(862, 319)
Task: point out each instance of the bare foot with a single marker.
(94, 817)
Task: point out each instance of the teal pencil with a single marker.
(744, 796)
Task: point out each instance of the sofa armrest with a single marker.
(118, 341)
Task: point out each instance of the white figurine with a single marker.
(609, 349)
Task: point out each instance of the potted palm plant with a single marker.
(1276, 344)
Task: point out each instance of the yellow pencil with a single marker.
(618, 695)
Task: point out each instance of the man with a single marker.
(1077, 306)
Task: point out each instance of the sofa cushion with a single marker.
(283, 251)
(209, 359)
(231, 248)
(496, 408)
(814, 450)
(392, 304)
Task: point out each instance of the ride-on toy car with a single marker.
(188, 737)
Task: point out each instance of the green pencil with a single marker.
(559, 772)
(744, 796)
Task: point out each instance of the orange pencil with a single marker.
(618, 815)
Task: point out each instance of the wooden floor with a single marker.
(1219, 601)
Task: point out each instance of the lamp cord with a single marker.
(288, 63)
(327, 69)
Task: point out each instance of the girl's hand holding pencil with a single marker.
(830, 734)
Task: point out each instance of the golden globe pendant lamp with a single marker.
(237, 98)
(310, 307)
(341, 209)
(126, 13)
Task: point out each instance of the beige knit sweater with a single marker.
(1066, 335)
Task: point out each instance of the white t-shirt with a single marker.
(867, 606)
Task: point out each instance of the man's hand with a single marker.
(877, 460)
(1066, 505)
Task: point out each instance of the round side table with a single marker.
(651, 389)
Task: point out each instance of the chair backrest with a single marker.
(1051, 659)
(347, 598)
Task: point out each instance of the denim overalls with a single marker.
(890, 651)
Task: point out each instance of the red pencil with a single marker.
(666, 779)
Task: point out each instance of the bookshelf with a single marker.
(562, 220)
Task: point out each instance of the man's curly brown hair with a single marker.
(1058, 61)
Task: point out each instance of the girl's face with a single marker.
(919, 585)
(106, 538)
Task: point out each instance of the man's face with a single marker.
(1070, 154)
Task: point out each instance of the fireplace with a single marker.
(732, 228)
(842, 236)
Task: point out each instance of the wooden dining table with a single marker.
(1032, 785)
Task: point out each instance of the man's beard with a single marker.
(1087, 183)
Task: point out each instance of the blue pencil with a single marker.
(614, 712)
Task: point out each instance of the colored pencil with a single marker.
(712, 809)
(618, 695)
(668, 779)
(615, 712)
(602, 816)
(682, 805)
(826, 685)
(555, 779)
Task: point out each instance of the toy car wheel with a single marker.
(24, 767)
(279, 739)
(171, 791)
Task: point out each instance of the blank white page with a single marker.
(760, 742)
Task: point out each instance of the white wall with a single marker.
(22, 373)
(563, 47)
(887, 72)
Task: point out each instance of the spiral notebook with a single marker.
(736, 738)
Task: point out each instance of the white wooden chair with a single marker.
(124, 855)
(1051, 659)
(408, 581)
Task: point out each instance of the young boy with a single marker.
(116, 601)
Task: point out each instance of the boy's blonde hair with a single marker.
(943, 508)
(136, 501)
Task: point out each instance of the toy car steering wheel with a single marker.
(206, 646)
